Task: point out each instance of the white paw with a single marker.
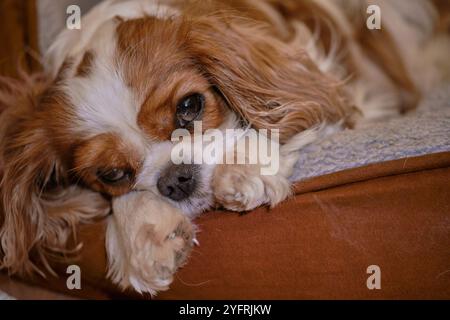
(157, 256)
(242, 188)
(147, 242)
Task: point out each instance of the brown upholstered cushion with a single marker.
(318, 244)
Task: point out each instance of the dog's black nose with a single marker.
(177, 182)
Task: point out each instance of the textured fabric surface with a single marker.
(424, 131)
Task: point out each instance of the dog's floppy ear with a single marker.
(272, 84)
(38, 209)
(28, 165)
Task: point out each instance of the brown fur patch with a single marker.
(39, 211)
(162, 70)
(105, 152)
(64, 70)
(84, 68)
(271, 84)
(267, 82)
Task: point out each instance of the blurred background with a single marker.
(27, 27)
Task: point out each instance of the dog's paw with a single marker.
(242, 187)
(147, 241)
(159, 252)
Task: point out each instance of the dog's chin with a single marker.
(194, 205)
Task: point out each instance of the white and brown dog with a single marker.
(95, 132)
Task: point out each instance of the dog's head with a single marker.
(120, 86)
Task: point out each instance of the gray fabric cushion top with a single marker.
(424, 131)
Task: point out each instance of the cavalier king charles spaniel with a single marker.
(92, 134)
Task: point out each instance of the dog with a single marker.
(92, 135)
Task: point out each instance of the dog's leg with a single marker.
(147, 240)
(242, 187)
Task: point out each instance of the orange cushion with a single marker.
(316, 245)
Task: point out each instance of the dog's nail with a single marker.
(195, 241)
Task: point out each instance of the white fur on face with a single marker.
(102, 101)
(157, 159)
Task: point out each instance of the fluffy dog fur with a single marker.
(108, 99)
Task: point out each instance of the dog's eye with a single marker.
(112, 176)
(189, 109)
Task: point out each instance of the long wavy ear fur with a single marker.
(27, 166)
(272, 84)
(38, 211)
